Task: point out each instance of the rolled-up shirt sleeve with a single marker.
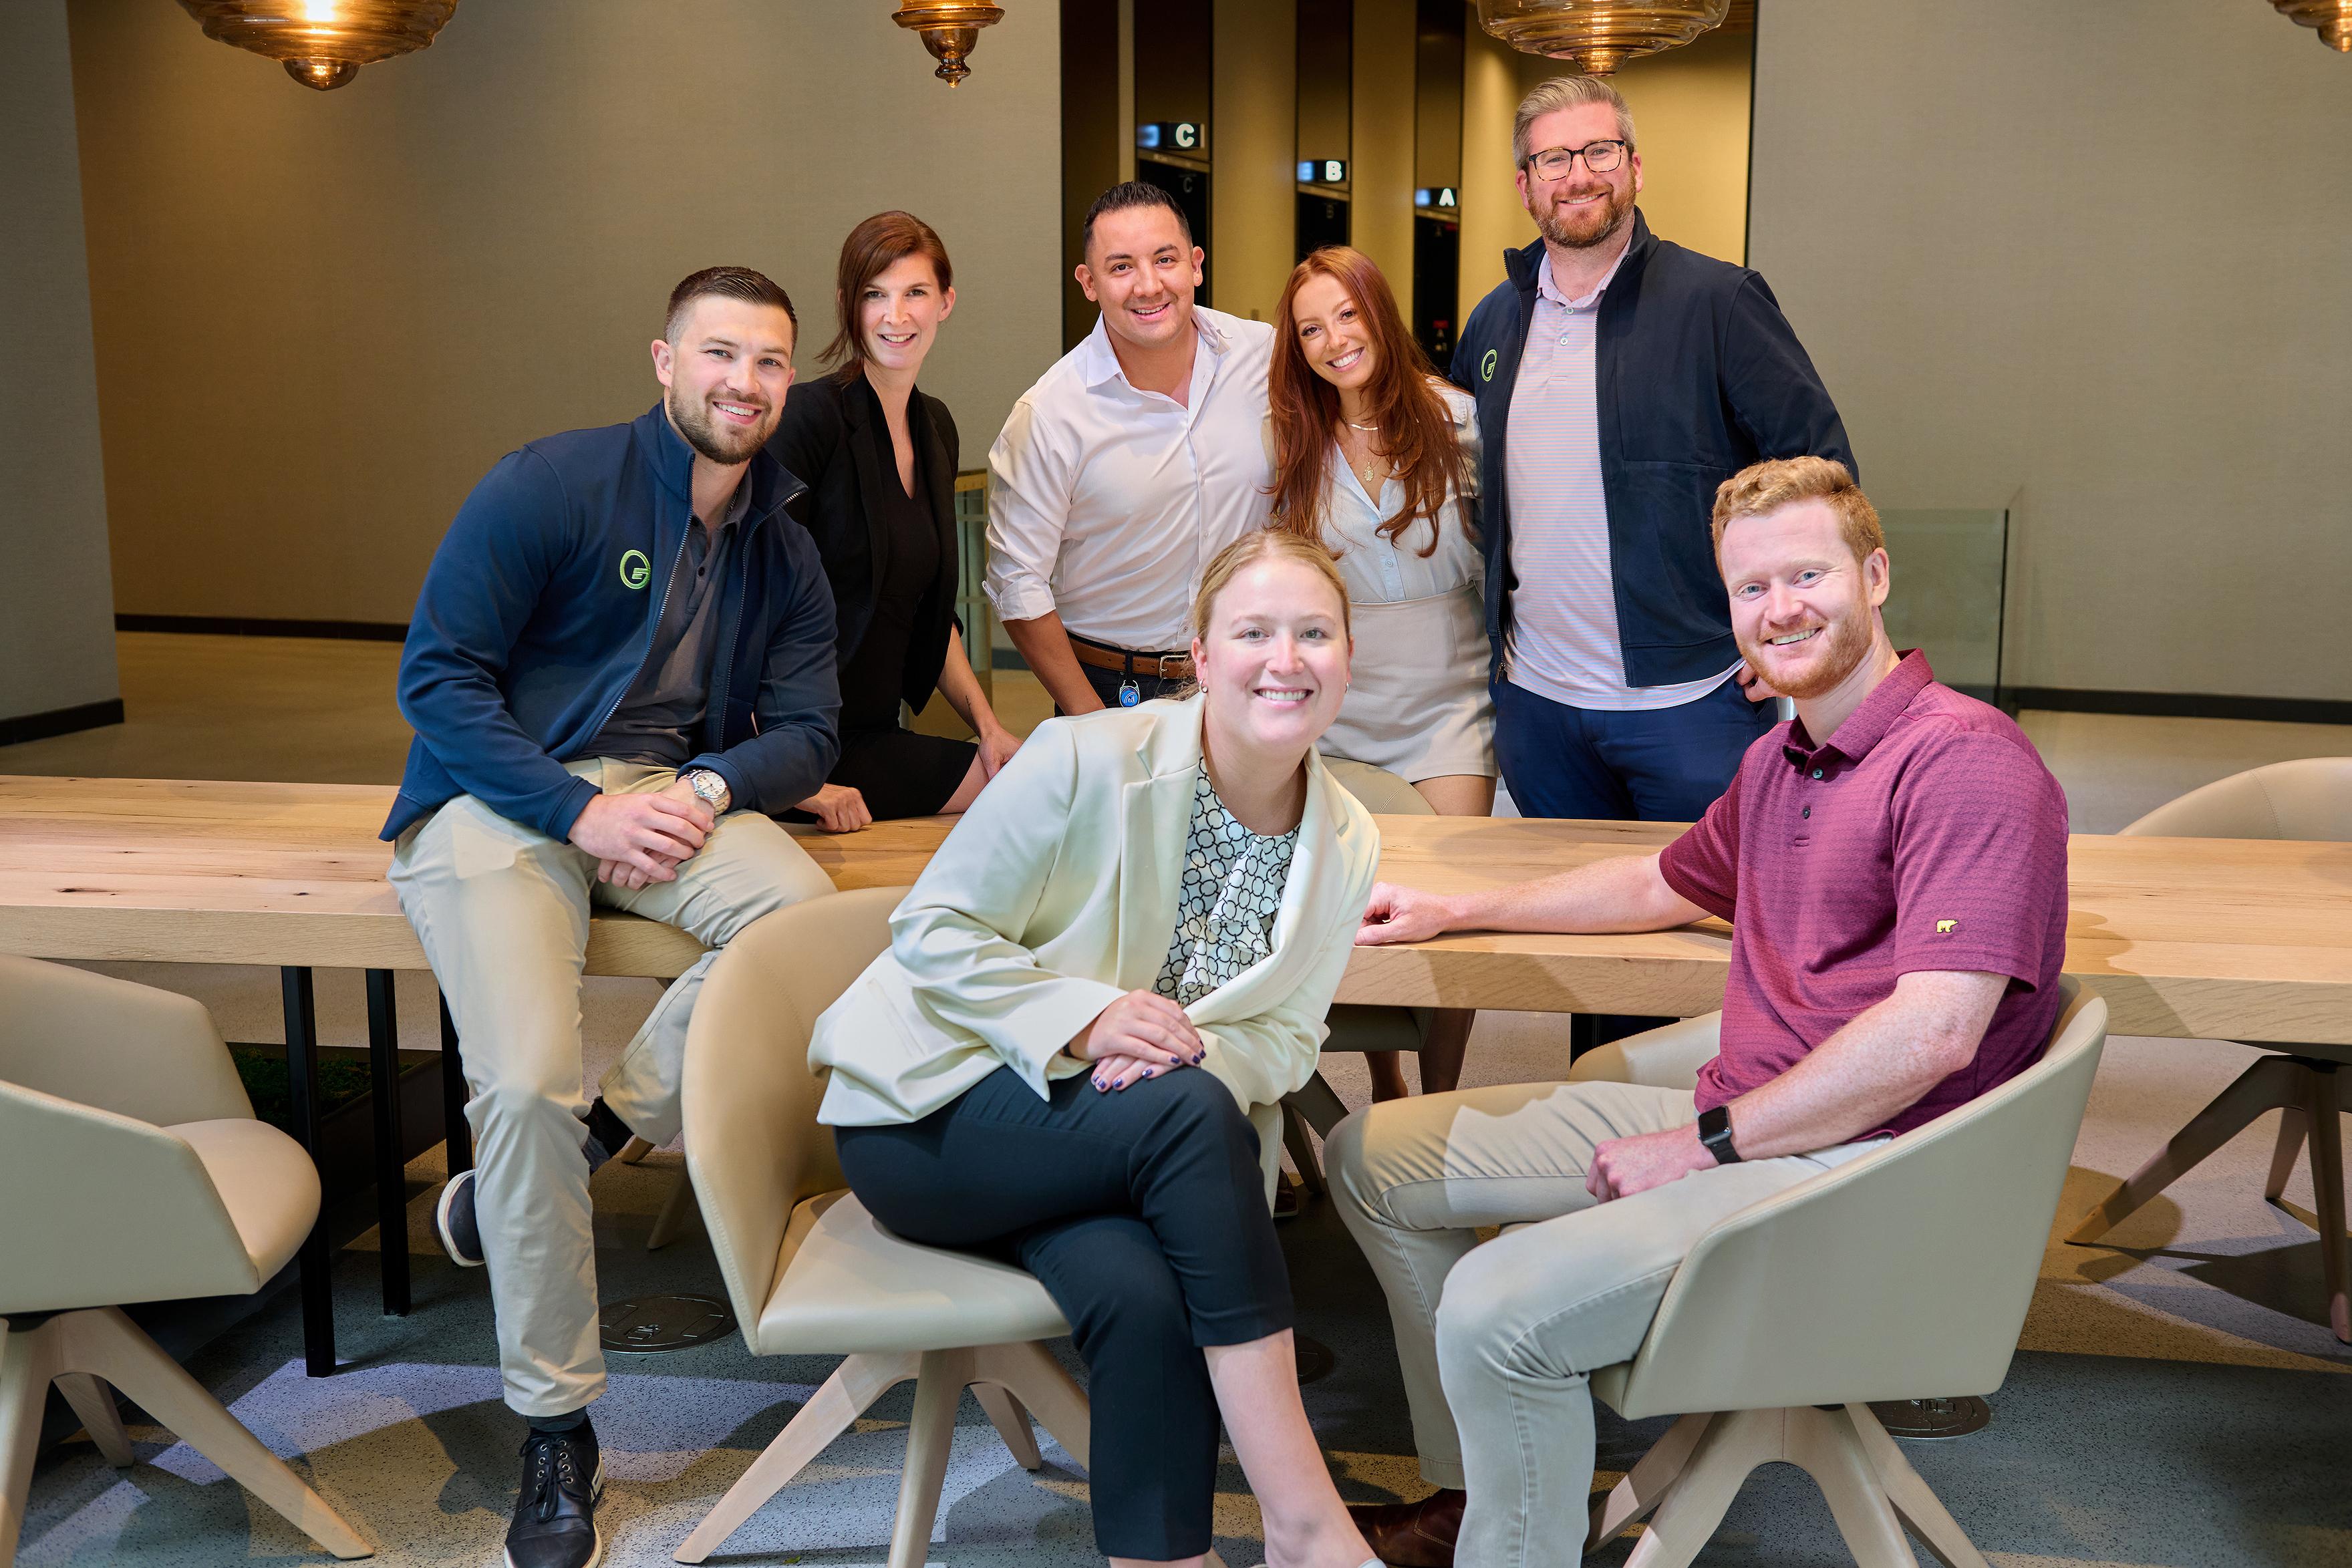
(1029, 485)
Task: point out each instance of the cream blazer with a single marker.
(1056, 895)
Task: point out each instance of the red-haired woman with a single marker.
(879, 459)
(1377, 458)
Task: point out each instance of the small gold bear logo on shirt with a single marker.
(1946, 928)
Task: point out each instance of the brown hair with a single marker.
(1248, 551)
(1566, 92)
(1764, 488)
(732, 283)
(873, 248)
(1416, 425)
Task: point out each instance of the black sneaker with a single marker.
(555, 1517)
(453, 1218)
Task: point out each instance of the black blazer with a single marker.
(832, 436)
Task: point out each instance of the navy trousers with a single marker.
(1666, 765)
(1143, 1214)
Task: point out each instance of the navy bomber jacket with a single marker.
(1698, 375)
(540, 606)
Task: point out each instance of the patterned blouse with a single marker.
(1226, 904)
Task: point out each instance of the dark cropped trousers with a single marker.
(1143, 1213)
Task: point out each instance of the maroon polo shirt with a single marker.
(1924, 835)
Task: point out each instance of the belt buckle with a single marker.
(1162, 662)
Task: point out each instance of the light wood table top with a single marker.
(2213, 938)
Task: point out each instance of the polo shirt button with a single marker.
(1563, 341)
(1806, 813)
(1817, 772)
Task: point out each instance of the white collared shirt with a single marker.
(1105, 501)
(1380, 571)
(1565, 644)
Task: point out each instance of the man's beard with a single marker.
(721, 446)
(1845, 643)
(1614, 214)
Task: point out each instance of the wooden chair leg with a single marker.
(28, 1364)
(104, 1342)
(1823, 1443)
(675, 1209)
(852, 1389)
(1012, 1423)
(1638, 1492)
(2327, 1133)
(1921, 1512)
(2270, 1084)
(93, 1401)
(1319, 1103)
(633, 1151)
(938, 1387)
(1038, 1381)
(1733, 1445)
(2292, 1122)
(1302, 1151)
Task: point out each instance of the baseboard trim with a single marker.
(60, 721)
(2182, 704)
(260, 626)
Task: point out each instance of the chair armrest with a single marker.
(1665, 1058)
(103, 1210)
(1903, 1273)
(125, 1048)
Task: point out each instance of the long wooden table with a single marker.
(2198, 938)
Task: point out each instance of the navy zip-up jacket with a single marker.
(1698, 375)
(539, 609)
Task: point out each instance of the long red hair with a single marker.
(1416, 429)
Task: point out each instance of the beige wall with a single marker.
(1380, 178)
(2033, 274)
(1253, 146)
(56, 620)
(1690, 111)
(322, 317)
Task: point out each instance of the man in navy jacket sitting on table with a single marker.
(622, 659)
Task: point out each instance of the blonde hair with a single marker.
(1566, 92)
(1265, 544)
(1764, 488)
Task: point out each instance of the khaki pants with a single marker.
(1496, 1343)
(502, 911)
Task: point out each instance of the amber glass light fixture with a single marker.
(323, 43)
(2333, 18)
(1598, 36)
(949, 28)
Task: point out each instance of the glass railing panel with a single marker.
(1951, 568)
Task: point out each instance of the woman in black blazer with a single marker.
(879, 460)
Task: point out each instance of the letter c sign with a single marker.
(636, 570)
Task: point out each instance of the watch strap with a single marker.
(1714, 1132)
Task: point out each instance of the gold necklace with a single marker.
(1375, 465)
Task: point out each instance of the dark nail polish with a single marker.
(1150, 1070)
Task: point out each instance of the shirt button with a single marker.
(1563, 340)
(1806, 813)
(1817, 772)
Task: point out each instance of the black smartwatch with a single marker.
(1714, 1132)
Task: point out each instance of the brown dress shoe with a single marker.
(1412, 1534)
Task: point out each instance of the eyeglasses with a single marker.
(1554, 162)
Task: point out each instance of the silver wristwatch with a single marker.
(710, 789)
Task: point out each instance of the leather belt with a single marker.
(1165, 666)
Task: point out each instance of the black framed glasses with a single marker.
(1600, 157)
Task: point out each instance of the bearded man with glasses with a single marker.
(1620, 378)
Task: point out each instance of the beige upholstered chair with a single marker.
(2309, 799)
(134, 1172)
(809, 1272)
(1902, 1274)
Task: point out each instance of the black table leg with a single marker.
(391, 1169)
(302, 1095)
(459, 1132)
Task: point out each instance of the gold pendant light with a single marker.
(323, 43)
(950, 29)
(2333, 18)
(1598, 36)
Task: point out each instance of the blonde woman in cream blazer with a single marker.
(1072, 1054)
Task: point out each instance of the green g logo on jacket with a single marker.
(636, 570)
(1487, 367)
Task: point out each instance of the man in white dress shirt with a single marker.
(1135, 459)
